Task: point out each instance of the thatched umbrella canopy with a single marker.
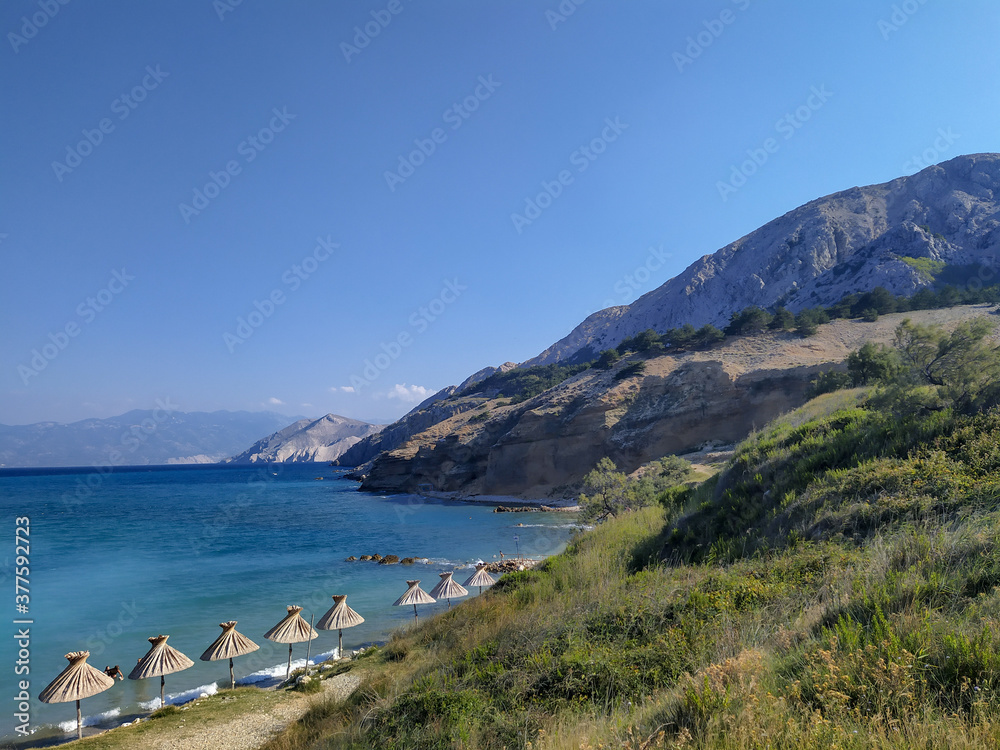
(339, 616)
(161, 659)
(448, 589)
(414, 595)
(229, 644)
(292, 629)
(78, 680)
(480, 578)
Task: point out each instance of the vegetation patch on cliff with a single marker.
(522, 383)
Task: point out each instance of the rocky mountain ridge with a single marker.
(847, 242)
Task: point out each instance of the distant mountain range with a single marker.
(139, 437)
(323, 439)
(888, 235)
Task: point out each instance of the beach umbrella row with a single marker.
(447, 588)
(81, 680)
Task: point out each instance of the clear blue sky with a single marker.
(184, 89)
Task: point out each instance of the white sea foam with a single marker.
(445, 563)
(89, 721)
(178, 699)
(332, 654)
(548, 526)
(277, 672)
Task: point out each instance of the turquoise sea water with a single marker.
(116, 558)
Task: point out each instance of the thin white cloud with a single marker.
(275, 401)
(409, 393)
(344, 388)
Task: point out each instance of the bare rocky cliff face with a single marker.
(541, 449)
(845, 243)
(323, 439)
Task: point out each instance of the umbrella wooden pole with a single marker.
(309, 643)
(340, 643)
(232, 678)
(163, 682)
(414, 611)
(288, 671)
(79, 721)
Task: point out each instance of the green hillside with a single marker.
(834, 586)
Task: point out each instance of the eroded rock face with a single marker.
(636, 422)
(543, 447)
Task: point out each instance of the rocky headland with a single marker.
(541, 448)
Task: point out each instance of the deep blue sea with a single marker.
(118, 557)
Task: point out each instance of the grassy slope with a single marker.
(834, 586)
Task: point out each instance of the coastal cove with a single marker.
(122, 556)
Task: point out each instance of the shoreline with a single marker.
(267, 680)
(246, 728)
(562, 505)
(476, 540)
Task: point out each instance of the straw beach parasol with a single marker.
(414, 595)
(448, 589)
(339, 617)
(480, 578)
(229, 644)
(161, 659)
(292, 629)
(78, 680)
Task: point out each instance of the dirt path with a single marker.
(251, 731)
